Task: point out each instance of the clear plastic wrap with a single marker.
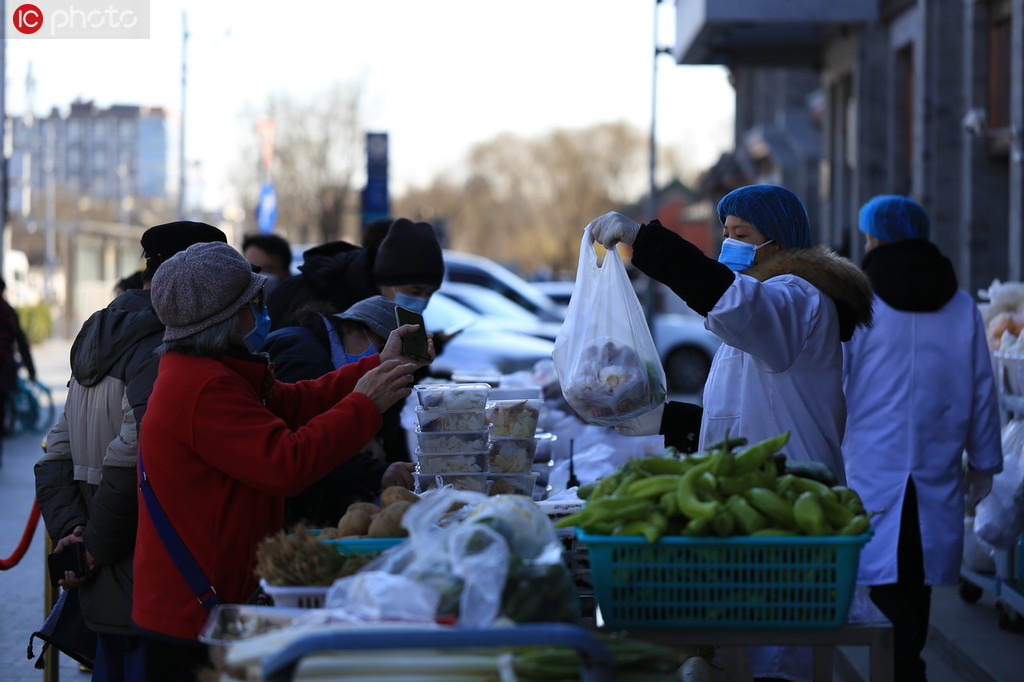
(607, 364)
(514, 417)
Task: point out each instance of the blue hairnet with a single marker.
(893, 218)
(776, 212)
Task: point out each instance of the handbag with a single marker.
(65, 630)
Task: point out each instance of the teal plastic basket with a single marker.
(363, 545)
(681, 583)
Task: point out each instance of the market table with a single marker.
(865, 626)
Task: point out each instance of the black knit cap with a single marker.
(163, 241)
(409, 254)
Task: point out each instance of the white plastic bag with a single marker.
(999, 518)
(607, 365)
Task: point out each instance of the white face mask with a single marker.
(737, 255)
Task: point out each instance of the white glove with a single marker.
(647, 424)
(976, 486)
(614, 227)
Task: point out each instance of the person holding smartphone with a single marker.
(309, 352)
(223, 443)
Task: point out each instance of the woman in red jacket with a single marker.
(223, 443)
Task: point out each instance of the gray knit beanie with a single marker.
(376, 312)
(204, 284)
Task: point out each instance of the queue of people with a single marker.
(247, 400)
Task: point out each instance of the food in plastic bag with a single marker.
(999, 518)
(483, 557)
(608, 367)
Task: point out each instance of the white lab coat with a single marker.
(920, 391)
(779, 369)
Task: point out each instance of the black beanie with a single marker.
(409, 254)
(163, 241)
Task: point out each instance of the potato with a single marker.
(369, 507)
(328, 533)
(388, 524)
(397, 493)
(354, 522)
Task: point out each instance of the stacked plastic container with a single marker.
(512, 427)
(452, 436)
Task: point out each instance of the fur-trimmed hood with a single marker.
(837, 277)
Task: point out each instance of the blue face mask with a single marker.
(255, 339)
(349, 358)
(415, 303)
(737, 255)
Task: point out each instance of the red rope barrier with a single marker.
(26, 539)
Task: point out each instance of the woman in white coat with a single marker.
(920, 391)
(782, 309)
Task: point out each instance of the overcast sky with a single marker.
(438, 75)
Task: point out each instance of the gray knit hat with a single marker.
(376, 312)
(204, 284)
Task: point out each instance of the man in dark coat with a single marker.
(86, 483)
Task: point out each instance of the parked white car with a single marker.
(467, 268)
(504, 312)
(482, 345)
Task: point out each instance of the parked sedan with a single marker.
(481, 345)
(502, 311)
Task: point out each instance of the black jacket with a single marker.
(300, 353)
(87, 476)
(334, 276)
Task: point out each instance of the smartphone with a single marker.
(415, 343)
(71, 558)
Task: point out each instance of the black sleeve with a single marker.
(663, 255)
(680, 424)
(297, 355)
(110, 533)
(59, 497)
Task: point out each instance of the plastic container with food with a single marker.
(451, 420)
(452, 396)
(477, 483)
(451, 463)
(513, 417)
(451, 441)
(511, 455)
(512, 484)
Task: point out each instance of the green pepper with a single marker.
(686, 495)
(849, 498)
(652, 486)
(668, 504)
(835, 513)
(654, 466)
(809, 515)
(727, 443)
(803, 485)
(758, 454)
(735, 485)
(858, 525)
(722, 463)
(747, 518)
(615, 509)
(697, 528)
(586, 490)
(771, 505)
(723, 523)
(773, 533)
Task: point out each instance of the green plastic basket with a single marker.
(723, 583)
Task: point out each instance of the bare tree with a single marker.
(528, 200)
(318, 150)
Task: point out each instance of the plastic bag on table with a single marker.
(607, 364)
(471, 551)
(999, 518)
